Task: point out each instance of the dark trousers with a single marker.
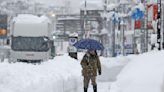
(87, 80)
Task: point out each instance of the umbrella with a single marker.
(89, 44)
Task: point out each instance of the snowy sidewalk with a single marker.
(62, 74)
(145, 73)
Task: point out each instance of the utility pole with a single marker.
(122, 23)
(105, 12)
(146, 29)
(142, 38)
(122, 33)
(103, 36)
(163, 24)
(113, 39)
(114, 34)
(85, 20)
(159, 25)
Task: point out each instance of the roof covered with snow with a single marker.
(92, 5)
(29, 18)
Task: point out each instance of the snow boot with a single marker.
(95, 88)
(85, 89)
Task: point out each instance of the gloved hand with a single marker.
(99, 72)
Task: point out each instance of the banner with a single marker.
(155, 11)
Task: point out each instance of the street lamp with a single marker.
(53, 15)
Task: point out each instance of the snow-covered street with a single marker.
(63, 74)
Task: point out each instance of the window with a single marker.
(35, 44)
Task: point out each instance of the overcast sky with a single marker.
(74, 4)
(60, 2)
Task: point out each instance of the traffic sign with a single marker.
(137, 14)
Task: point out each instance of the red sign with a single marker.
(137, 24)
(155, 11)
(152, 11)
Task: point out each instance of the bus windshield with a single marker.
(34, 44)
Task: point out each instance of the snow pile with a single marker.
(53, 76)
(62, 74)
(144, 74)
(111, 67)
(29, 18)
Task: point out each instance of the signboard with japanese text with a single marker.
(137, 24)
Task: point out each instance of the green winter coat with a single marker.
(90, 65)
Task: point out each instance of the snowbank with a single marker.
(111, 67)
(144, 73)
(53, 76)
(62, 74)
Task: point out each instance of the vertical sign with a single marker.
(137, 24)
(155, 11)
(3, 26)
(71, 49)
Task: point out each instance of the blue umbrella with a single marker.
(89, 44)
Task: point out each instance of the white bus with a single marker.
(30, 41)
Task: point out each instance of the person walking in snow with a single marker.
(90, 66)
